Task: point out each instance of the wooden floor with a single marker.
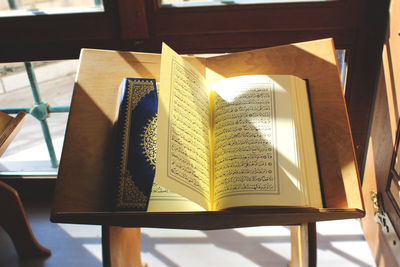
(340, 243)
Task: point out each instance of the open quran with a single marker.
(221, 143)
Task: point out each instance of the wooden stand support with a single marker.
(9, 127)
(14, 221)
(304, 245)
(121, 246)
(13, 218)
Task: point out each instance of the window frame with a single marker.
(141, 25)
(41, 37)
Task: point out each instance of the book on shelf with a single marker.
(213, 143)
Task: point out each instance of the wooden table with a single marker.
(84, 182)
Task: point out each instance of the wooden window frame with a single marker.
(238, 27)
(141, 25)
(144, 24)
(40, 37)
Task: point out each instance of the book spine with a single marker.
(135, 140)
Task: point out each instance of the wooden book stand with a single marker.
(9, 127)
(13, 218)
(84, 183)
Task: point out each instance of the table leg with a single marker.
(121, 247)
(304, 245)
(14, 221)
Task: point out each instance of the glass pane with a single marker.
(185, 3)
(38, 7)
(28, 153)
(342, 64)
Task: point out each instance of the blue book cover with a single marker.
(136, 143)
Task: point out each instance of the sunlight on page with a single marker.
(254, 127)
(260, 125)
(238, 86)
(229, 95)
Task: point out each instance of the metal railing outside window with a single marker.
(20, 92)
(40, 109)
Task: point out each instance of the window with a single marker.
(141, 25)
(37, 7)
(32, 152)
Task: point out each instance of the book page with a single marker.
(307, 150)
(164, 200)
(183, 145)
(255, 156)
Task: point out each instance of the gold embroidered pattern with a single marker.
(125, 133)
(149, 141)
(129, 195)
(140, 89)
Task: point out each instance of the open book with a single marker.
(234, 142)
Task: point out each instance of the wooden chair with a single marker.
(84, 183)
(13, 218)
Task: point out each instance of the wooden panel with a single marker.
(252, 18)
(60, 49)
(88, 140)
(124, 26)
(187, 44)
(210, 220)
(85, 181)
(87, 152)
(391, 65)
(379, 154)
(4, 120)
(382, 139)
(133, 19)
(396, 166)
(9, 128)
(121, 247)
(229, 42)
(395, 190)
(43, 28)
(303, 245)
(363, 71)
